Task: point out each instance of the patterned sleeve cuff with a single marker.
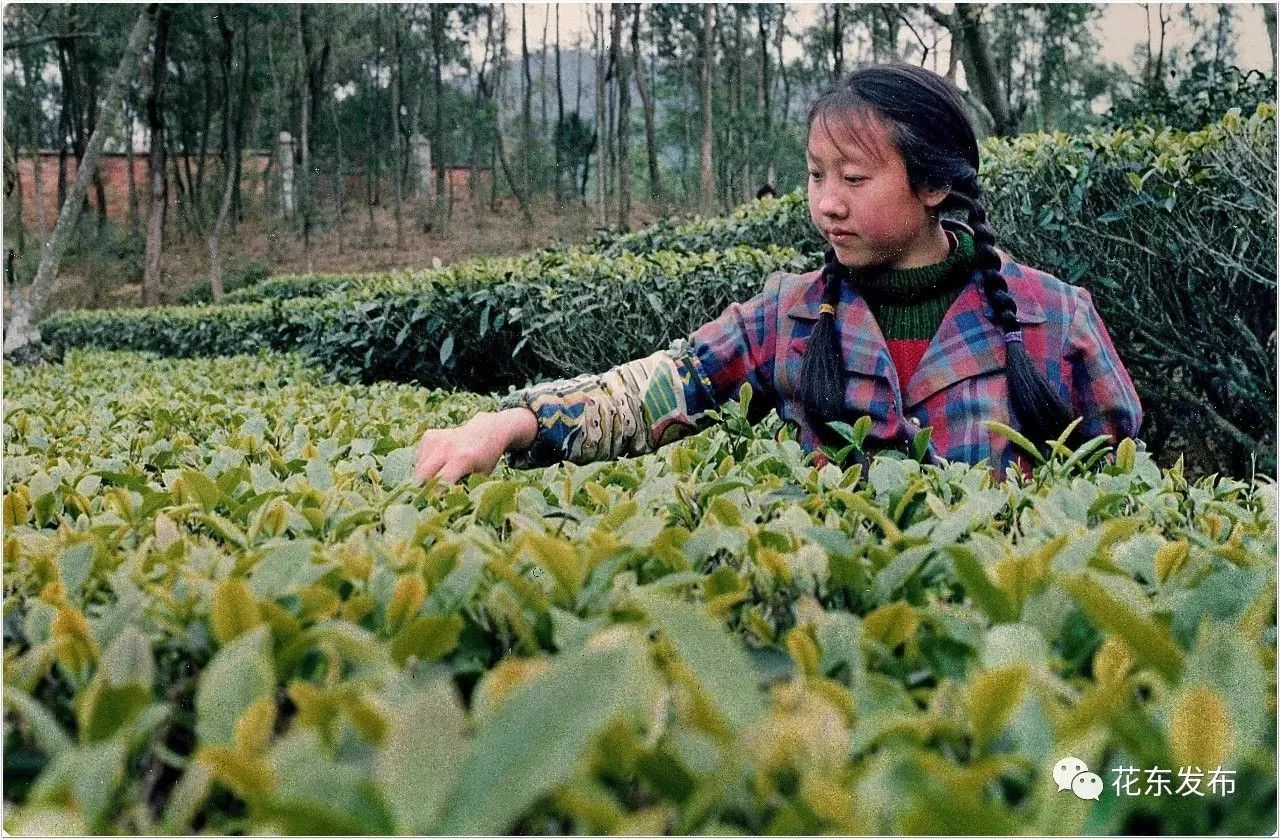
(544, 450)
(629, 410)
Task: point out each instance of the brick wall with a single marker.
(115, 183)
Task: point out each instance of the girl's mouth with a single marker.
(841, 238)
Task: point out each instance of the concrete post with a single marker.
(284, 151)
(424, 184)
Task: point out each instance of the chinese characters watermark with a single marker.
(1072, 774)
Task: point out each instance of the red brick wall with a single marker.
(115, 183)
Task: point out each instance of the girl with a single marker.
(913, 320)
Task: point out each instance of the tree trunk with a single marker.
(397, 150)
(206, 119)
(13, 188)
(371, 147)
(559, 112)
(231, 158)
(623, 125)
(37, 159)
(477, 122)
(602, 133)
(966, 24)
(499, 150)
(304, 136)
(154, 248)
(1269, 18)
(135, 212)
(54, 248)
(243, 137)
(542, 75)
(438, 20)
(340, 181)
(526, 115)
(646, 98)
(707, 182)
(837, 41)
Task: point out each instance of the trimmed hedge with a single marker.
(1174, 232)
(484, 324)
(782, 221)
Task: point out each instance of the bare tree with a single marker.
(624, 122)
(51, 253)
(966, 23)
(707, 182)
(646, 98)
(156, 159)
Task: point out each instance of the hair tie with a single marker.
(1015, 335)
(826, 309)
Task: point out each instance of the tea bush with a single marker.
(227, 609)
(484, 324)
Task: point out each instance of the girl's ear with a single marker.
(932, 198)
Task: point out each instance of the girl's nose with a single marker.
(829, 204)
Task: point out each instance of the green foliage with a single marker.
(1168, 230)
(549, 315)
(1201, 96)
(244, 276)
(714, 637)
(782, 221)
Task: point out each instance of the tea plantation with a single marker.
(228, 610)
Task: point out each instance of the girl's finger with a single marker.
(452, 472)
(430, 459)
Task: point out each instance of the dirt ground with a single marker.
(348, 246)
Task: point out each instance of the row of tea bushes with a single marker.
(228, 610)
(483, 325)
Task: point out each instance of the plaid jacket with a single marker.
(959, 383)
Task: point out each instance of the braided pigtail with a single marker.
(822, 376)
(1039, 410)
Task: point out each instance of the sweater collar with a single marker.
(904, 286)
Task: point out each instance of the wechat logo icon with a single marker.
(1071, 773)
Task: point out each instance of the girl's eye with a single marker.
(815, 175)
(853, 179)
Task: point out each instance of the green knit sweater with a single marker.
(910, 303)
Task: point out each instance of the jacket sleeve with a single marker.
(642, 405)
(1101, 389)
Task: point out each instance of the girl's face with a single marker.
(860, 200)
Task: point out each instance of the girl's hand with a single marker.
(451, 453)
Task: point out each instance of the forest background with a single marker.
(418, 133)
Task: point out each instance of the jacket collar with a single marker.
(967, 343)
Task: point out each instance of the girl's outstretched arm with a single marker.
(629, 410)
(644, 404)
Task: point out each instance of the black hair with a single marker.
(767, 189)
(929, 126)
